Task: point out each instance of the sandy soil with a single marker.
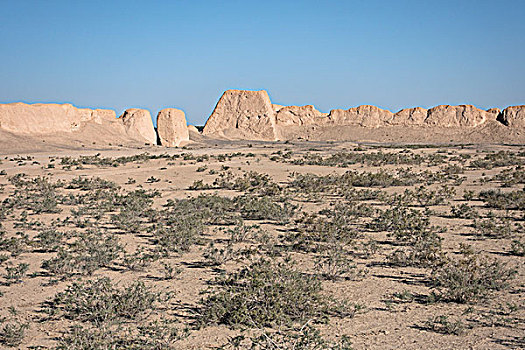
(386, 322)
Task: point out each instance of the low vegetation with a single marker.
(284, 247)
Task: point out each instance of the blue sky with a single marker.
(333, 54)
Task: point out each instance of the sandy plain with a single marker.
(397, 303)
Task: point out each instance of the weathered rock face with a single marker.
(193, 128)
(495, 111)
(243, 115)
(139, 125)
(50, 118)
(409, 116)
(300, 115)
(171, 127)
(370, 116)
(276, 108)
(457, 116)
(513, 116)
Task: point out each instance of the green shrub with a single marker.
(335, 263)
(425, 252)
(411, 228)
(99, 301)
(304, 338)
(37, 194)
(314, 232)
(517, 247)
(89, 184)
(503, 200)
(12, 333)
(139, 259)
(89, 252)
(498, 159)
(470, 278)
(215, 256)
(494, 227)
(50, 240)
(199, 185)
(264, 208)
(155, 335)
(178, 233)
(426, 197)
(442, 324)
(264, 294)
(15, 274)
(463, 211)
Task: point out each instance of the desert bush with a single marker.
(177, 233)
(170, 271)
(199, 185)
(494, 227)
(134, 207)
(209, 208)
(99, 161)
(427, 197)
(452, 169)
(15, 274)
(83, 338)
(411, 228)
(12, 333)
(310, 183)
(498, 159)
(424, 252)
(510, 177)
(216, 256)
(242, 232)
(251, 182)
(468, 195)
(64, 264)
(94, 250)
(314, 233)
(442, 324)
(345, 159)
(517, 247)
(50, 240)
(89, 252)
(264, 208)
(405, 224)
(139, 259)
(503, 200)
(99, 301)
(306, 337)
(463, 211)
(264, 294)
(37, 194)
(89, 184)
(155, 335)
(349, 213)
(335, 263)
(356, 195)
(370, 248)
(470, 278)
(14, 244)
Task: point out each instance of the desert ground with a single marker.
(262, 245)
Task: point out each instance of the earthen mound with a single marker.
(513, 116)
(172, 127)
(243, 115)
(369, 116)
(139, 125)
(40, 118)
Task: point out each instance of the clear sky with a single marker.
(333, 54)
